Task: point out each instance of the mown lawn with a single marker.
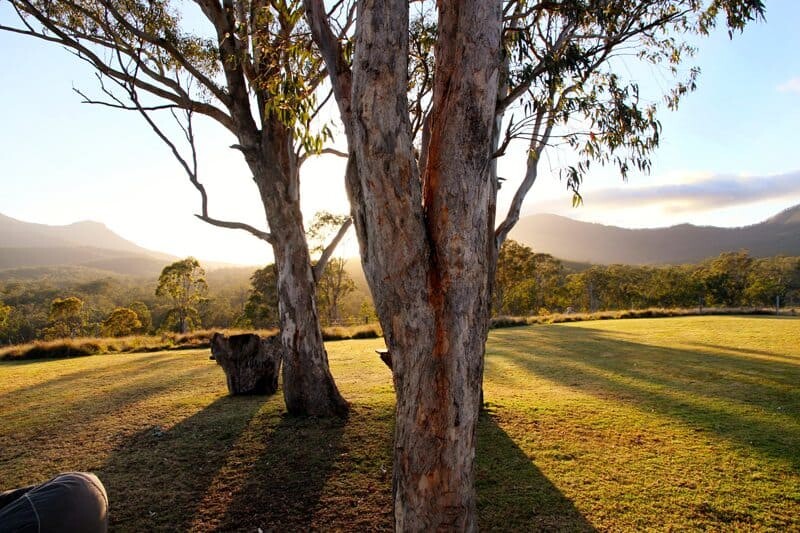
(654, 424)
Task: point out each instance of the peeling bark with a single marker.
(427, 242)
(308, 386)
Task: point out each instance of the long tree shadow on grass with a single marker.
(70, 380)
(241, 464)
(70, 425)
(513, 494)
(314, 474)
(751, 402)
(157, 479)
(281, 490)
(322, 474)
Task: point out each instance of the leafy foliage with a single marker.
(322, 226)
(261, 308)
(773, 279)
(66, 318)
(121, 322)
(223, 306)
(5, 312)
(529, 284)
(143, 315)
(567, 81)
(563, 63)
(333, 286)
(526, 282)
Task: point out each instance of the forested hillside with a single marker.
(25, 246)
(32, 304)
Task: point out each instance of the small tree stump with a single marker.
(251, 364)
(386, 357)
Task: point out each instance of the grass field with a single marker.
(654, 424)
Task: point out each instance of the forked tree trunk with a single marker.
(427, 244)
(428, 251)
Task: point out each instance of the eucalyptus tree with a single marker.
(261, 308)
(120, 323)
(771, 280)
(5, 312)
(423, 189)
(184, 284)
(250, 68)
(67, 318)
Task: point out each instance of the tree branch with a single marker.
(263, 235)
(319, 267)
(191, 170)
(531, 172)
(174, 94)
(171, 50)
(331, 49)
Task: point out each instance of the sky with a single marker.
(728, 157)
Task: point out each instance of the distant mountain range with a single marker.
(571, 240)
(30, 250)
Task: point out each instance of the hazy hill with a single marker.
(572, 240)
(18, 234)
(26, 245)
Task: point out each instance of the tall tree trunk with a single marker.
(428, 245)
(308, 386)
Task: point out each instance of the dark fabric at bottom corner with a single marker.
(72, 502)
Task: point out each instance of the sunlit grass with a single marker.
(681, 423)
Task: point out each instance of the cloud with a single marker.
(790, 86)
(704, 193)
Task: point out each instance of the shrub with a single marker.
(508, 322)
(53, 349)
(339, 333)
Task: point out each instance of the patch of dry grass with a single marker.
(153, 343)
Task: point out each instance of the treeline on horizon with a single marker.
(526, 283)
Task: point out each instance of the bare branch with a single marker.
(117, 105)
(531, 173)
(334, 151)
(331, 49)
(330, 151)
(174, 93)
(263, 235)
(191, 169)
(319, 267)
